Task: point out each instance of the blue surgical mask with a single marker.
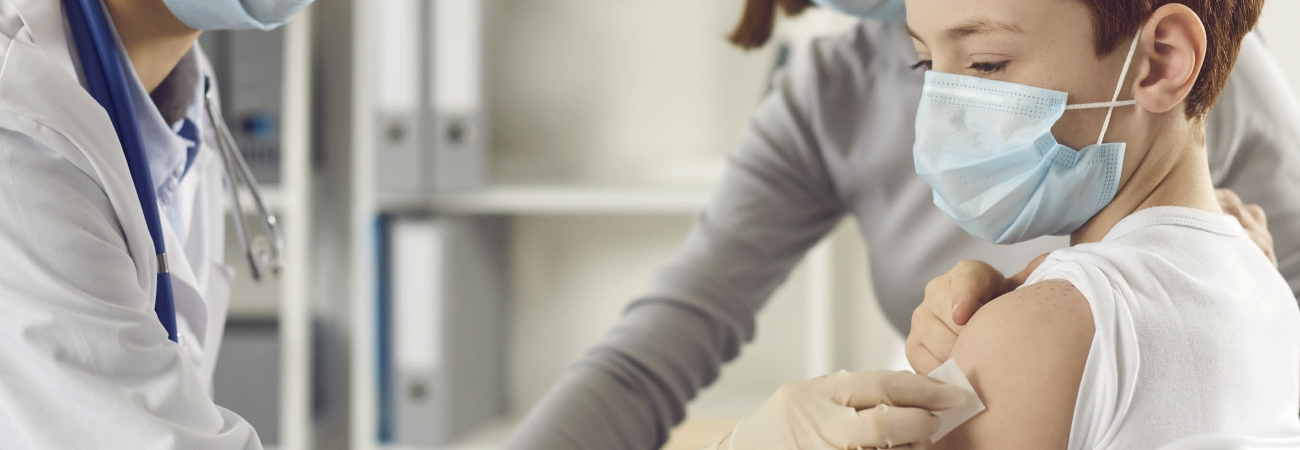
(884, 10)
(987, 150)
(235, 14)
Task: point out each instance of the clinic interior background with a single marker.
(607, 124)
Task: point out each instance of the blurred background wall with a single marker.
(1283, 37)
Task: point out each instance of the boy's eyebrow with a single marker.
(971, 28)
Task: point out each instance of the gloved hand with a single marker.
(952, 298)
(848, 411)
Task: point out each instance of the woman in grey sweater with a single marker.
(833, 138)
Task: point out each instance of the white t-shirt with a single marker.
(1196, 333)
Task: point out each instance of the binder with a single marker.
(397, 62)
(458, 125)
(418, 250)
(431, 132)
(444, 328)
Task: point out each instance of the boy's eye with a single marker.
(927, 64)
(989, 68)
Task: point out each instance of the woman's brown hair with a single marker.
(756, 23)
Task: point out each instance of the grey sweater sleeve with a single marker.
(775, 201)
(1253, 143)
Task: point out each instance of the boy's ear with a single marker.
(1171, 51)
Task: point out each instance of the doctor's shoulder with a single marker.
(41, 98)
(871, 56)
(59, 153)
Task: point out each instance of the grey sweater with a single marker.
(834, 137)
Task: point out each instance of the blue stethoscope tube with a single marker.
(107, 83)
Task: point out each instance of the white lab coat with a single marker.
(84, 361)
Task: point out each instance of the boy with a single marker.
(1163, 321)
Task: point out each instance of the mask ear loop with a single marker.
(1119, 87)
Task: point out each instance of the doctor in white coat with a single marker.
(84, 360)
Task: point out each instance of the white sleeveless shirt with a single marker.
(1196, 334)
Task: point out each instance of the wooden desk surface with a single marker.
(695, 434)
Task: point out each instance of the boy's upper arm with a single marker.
(1024, 353)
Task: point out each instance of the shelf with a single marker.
(556, 200)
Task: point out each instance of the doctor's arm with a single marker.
(774, 203)
(84, 361)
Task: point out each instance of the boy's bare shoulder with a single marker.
(1025, 353)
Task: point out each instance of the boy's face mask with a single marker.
(987, 150)
(885, 10)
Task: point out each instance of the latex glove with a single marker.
(878, 409)
(1252, 218)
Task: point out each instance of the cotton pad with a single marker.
(952, 418)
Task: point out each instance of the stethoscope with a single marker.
(107, 83)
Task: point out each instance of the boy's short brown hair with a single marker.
(1226, 24)
(1114, 22)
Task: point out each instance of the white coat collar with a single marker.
(34, 58)
(46, 24)
(42, 24)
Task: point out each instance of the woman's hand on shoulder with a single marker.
(1252, 219)
(950, 302)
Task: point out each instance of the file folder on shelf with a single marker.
(443, 305)
(456, 94)
(431, 127)
(397, 61)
